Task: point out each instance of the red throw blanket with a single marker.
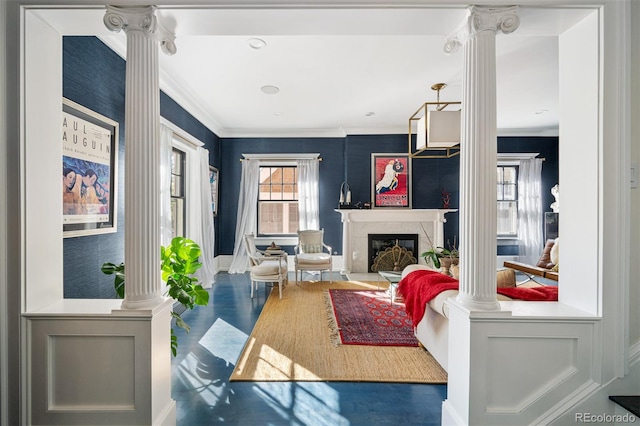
(420, 286)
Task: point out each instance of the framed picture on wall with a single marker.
(213, 181)
(391, 180)
(89, 171)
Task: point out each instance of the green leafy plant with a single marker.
(118, 282)
(434, 254)
(179, 261)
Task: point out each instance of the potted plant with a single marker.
(441, 257)
(435, 255)
(179, 261)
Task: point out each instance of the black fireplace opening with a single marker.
(380, 242)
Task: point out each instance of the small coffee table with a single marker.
(393, 278)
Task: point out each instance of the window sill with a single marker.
(280, 241)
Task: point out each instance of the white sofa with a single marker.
(433, 330)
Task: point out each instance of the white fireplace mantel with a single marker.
(358, 224)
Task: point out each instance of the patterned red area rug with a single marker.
(365, 317)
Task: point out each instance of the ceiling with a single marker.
(339, 71)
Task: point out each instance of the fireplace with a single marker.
(379, 242)
(358, 224)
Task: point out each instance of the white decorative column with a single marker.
(478, 152)
(469, 392)
(142, 151)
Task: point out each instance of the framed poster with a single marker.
(391, 180)
(213, 181)
(89, 160)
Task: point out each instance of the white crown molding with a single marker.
(172, 88)
(283, 133)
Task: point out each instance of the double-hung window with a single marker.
(278, 200)
(507, 186)
(178, 192)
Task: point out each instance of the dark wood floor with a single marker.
(207, 355)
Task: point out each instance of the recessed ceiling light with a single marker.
(257, 43)
(270, 90)
(370, 114)
(277, 114)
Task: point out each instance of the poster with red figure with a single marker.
(391, 180)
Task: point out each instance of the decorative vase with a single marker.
(455, 271)
(445, 264)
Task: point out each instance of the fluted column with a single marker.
(142, 151)
(478, 162)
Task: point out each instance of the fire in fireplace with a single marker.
(379, 242)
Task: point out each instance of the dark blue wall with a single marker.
(173, 112)
(331, 176)
(429, 176)
(94, 76)
(548, 149)
(343, 159)
(349, 159)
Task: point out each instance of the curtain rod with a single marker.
(282, 157)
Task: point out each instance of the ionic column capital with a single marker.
(480, 19)
(141, 19)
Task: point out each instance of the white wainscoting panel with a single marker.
(545, 370)
(78, 378)
(91, 362)
(526, 360)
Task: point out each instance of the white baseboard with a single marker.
(168, 416)
(596, 401)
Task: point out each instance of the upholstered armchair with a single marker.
(312, 254)
(265, 267)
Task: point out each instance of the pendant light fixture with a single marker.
(436, 128)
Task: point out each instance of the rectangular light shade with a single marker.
(443, 129)
(421, 136)
(438, 129)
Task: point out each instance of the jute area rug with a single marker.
(291, 342)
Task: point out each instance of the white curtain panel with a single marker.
(530, 210)
(308, 196)
(247, 213)
(166, 135)
(206, 233)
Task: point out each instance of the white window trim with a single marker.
(182, 135)
(279, 160)
(188, 144)
(513, 159)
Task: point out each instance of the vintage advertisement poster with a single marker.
(88, 171)
(391, 180)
